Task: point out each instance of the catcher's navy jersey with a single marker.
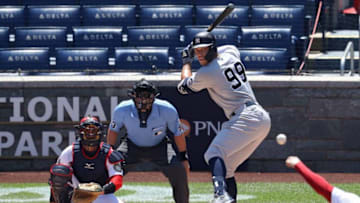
(163, 116)
(225, 79)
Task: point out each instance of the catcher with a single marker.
(88, 170)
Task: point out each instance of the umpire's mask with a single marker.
(143, 94)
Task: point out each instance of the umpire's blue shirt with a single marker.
(163, 116)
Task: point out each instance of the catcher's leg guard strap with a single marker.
(60, 176)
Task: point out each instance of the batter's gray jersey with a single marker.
(225, 80)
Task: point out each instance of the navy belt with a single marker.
(247, 104)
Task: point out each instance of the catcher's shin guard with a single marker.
(60, 189)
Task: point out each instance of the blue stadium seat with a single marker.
(165, 36)
(221, 2)
(205, 15)
(40, 37)
(51, 2)
(164, 2)
(12, 16)
(106, 15)
(166, 15)
(54, 15)
(24, 58)
(223, 34)
(271, 59)
(97, 36)
(278, 2)
(81, 58)
(4, 37)
(102, 2)
(142, 58)
(12, 2)
(280, 15)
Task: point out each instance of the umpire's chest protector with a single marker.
(90, 169)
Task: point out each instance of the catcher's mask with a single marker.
(206, 39)
(90, 131)
(143, 94)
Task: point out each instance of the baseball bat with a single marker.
(229, 8)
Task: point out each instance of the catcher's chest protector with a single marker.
(90, 169)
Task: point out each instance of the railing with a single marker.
(349, 49)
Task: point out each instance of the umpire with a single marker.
(153, 134)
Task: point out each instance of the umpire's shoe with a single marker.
(222, 198)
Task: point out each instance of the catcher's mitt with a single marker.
(86, 192)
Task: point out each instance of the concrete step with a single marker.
(336, 40)
(330, 60)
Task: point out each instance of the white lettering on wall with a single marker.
(48, 144)
(208, 126)
(26, 144)
(113, 103)
(16, 101)
(64, 105)
(47, 109)
(10, 139)
(95, 108)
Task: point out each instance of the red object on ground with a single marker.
(353, 10)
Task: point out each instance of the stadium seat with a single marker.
(221, 2)
(205, 15)
(270, 59)
(97, 36)
(4, 37)
(11, 3)
(51, 2)
(268, 36)
(40, 37)
(81, 58)
(164, 2)
(24, 58)
(12, 16)
(142, 58)
(166, 15)
(163, 36)
(223, 34)
(103, 2)
(54, 15)
(280, 15)
(278, 2)
(106, 15)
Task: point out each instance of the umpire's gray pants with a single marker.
(164, 157)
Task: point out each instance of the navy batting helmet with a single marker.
(206, 39)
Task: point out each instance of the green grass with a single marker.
(261, 192)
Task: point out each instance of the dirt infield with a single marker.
(36, 177)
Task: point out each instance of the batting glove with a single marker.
(187, 54)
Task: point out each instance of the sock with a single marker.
(231, 187)
(318, 183)
(218, 171)
(217, 167)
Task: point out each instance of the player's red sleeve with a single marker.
(117, 180)
(318, 183)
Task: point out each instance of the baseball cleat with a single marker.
(224, 198)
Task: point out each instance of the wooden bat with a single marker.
(229, 8)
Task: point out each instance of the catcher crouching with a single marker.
(88, 170)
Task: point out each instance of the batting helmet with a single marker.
(206, 39)
(90, 131)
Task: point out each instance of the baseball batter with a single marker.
(151, 124)
(223, 75)
(87, 160)
(320, 185)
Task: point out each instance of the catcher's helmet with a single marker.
(91, 131)
(206, 39)
(143, 93)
